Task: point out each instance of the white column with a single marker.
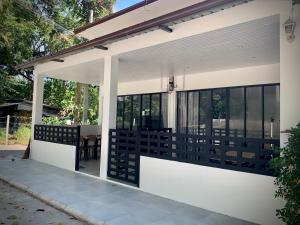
(289, 76)
(85, 104)
(172, 111)
(37, 101)
(110, 89)
(100, 109)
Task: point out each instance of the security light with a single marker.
(171, 85)
(289, 27)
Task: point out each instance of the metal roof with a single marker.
(188, 13)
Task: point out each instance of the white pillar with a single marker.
(110, 89)
(289, 75)
(172, 111)
(85, 104)
(37, 101)
(100, 109)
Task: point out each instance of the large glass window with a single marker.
(271, 112)
(254, 112)
(236, 112)
(250, 111)
(219, 108)
(182, 112)
(147, 111)
(193, 112)
(205, 112)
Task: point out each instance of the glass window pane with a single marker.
(164, 110)
(193, 109)
(219, 109)
(181, 112)
(120, 110)
(155, 111)
(136, 107)
(271, 110)
(146, 121)
(205, 113)
(236, 112)
(127, 112)
(254, 112)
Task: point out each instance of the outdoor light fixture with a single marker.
(289, 27)
(171, 85)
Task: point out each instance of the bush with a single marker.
(2, 135)
(287, 167)
(23, 135)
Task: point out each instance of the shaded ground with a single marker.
(19, 208)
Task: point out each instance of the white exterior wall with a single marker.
(59, 155)
(263, 74)
(238, 194)
(242, 195)
(289, 77)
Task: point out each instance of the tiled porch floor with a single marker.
(104, 202)
(91, 167)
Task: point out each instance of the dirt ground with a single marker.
(19, 208)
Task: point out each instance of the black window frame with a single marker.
(227, 110)
(140, 96)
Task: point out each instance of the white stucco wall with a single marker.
(242, 195)
(289, 77)
(59, 155)
(263, 74)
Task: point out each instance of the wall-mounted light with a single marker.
(289, 27)
(171, 85)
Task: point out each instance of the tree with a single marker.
(27, 30)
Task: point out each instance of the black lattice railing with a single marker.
(235, 153)
(67, 135)
(123, 156)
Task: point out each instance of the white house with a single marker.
(195, 96)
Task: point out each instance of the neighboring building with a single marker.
(195, 96)
(21, 111)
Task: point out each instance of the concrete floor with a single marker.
(91, 167)
(103, 202)
(19, 208)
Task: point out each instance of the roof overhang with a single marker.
(113, 15)
(197, 10)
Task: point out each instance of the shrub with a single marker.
(287, 167)
(2, 135)
(23, 135)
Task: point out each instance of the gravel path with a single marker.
(19, 208)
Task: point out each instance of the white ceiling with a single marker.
(248, 44)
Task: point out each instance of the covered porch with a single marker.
(199, 109)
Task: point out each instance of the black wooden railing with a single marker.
(67, 135)
(235, 153)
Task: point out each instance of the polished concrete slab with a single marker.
(91, 167)
(103, 202)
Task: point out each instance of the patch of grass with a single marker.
(2, 135)
(23, 135)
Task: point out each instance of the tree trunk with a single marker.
(77, 104)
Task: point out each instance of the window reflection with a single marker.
(271, 112)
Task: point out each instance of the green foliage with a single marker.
(27, 30)
(23, 135)
(287, 167)
(2, 133)
(51, 120)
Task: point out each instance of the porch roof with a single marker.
(248, 44)
(190, 12)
